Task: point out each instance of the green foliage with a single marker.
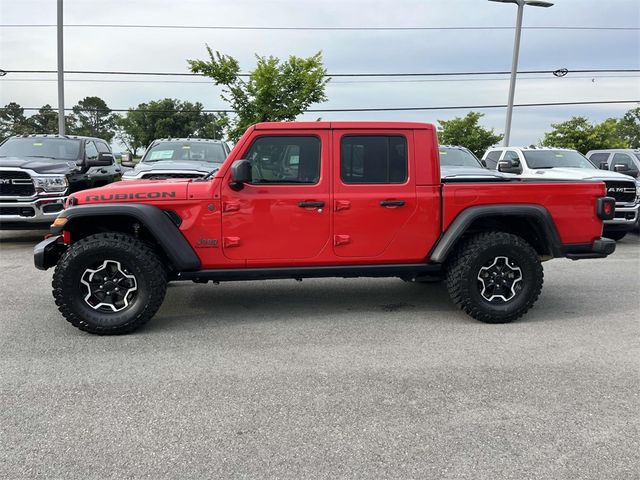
(629, 128)
(45, 121)
(580, 134)
(12, 121)
(275, 90)
(167, 118)
(92, 117)
(468, 133)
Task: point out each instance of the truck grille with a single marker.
(165, 176)
(15, 184)
(623, 192)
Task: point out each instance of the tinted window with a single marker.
(373, 159)
(90, 150)
(193, 151)
(492, 158)
(103, 147)
(285, 159)
(622, 159)
(57, 148)
(556, 158)
(511, 155)
(600, 160)
(458, 157)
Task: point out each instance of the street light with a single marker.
(516, 53)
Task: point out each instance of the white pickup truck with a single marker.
(564, 164)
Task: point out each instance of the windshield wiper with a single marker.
(208, 175)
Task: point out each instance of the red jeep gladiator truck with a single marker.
(320, 199)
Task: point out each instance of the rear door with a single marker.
(374, 191)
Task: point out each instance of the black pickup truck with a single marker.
(38, 172)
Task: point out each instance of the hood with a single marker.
(40, 165)
(451, 173)
(579, 174)
(146, 191)
(160, 165)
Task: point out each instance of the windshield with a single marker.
(56, 148)
(195, 151)
(557, 159)
(458, 157)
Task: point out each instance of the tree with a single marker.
(629, 128)
(45, 121)
(12, 121)
(468, 133)
(579, 134)
(167, 118)
(92, 117)
(275, 90)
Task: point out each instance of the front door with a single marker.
(374, 192)
(284, 213)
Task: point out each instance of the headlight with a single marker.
(52, 183)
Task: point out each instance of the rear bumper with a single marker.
(600, 248)
(47, 253)
(40, 212)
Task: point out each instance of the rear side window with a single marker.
(373, 159)
(285, 159)
(622, 159)
(492, 158)
(600, 160)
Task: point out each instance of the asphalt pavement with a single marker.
(328, 378)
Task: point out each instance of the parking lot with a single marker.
(325, 378)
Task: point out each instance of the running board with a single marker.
(349, 271)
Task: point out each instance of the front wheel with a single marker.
(494, 277)
(109, 283)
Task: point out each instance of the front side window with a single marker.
(600, 160)
(373, 159)
(40, 147)
(511, 155)
(91, 151)
(285, 159)
(458, 157)
(492, 158)
(557, 159)
(622, 159)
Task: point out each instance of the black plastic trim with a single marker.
(600, 248)
(463, 221)
(166, 233)
(345, 271)
(47, 253)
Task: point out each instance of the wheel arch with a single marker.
(147, 222)
(531, 222)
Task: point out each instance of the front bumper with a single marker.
(600, 248)
(47, 253)
(625, 217)
(39, 212)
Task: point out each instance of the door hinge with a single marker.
(228, 242)
(231, 207)
(342, 205)
(341, 240)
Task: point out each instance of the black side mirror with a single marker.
(484, 164)
(604, 166)
(240, 173)
(509, 166)
(620, 168)
(102, 160)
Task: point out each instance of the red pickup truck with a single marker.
(320, 199)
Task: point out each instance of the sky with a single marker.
(363, 51)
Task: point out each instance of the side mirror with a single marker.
(102, 160)
(604, 166)
(620, 168)
(484, 164)
(240, 173)
(509, 166)
(128, 163)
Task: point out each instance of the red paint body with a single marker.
(263, 226)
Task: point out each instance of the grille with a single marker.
(623, 192)
(165, 176)
(22, 211)
(15, 184)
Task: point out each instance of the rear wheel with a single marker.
(109, 283)
(495, 277)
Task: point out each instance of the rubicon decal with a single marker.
(128, 196)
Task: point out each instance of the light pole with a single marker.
(516, 53)
(60, 71)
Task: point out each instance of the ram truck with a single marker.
(298, 200)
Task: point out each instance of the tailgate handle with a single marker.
(392, 203)
(311, 204)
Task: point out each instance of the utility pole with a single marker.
(60, 72)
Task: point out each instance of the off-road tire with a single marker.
(464, 267)
(140, 259)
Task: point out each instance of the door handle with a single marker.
(392, 203)
(311, 204)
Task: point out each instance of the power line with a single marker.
(381, 109)
(382, 74)
(340, 82)
(325, 29)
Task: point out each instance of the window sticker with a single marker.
(186, 147)
(37, 144)
(559, 155)
(161, 155)
(442, 152)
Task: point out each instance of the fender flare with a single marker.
(539, 215)
(163, 229)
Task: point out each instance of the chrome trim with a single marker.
(39, 215)
(36, 194)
